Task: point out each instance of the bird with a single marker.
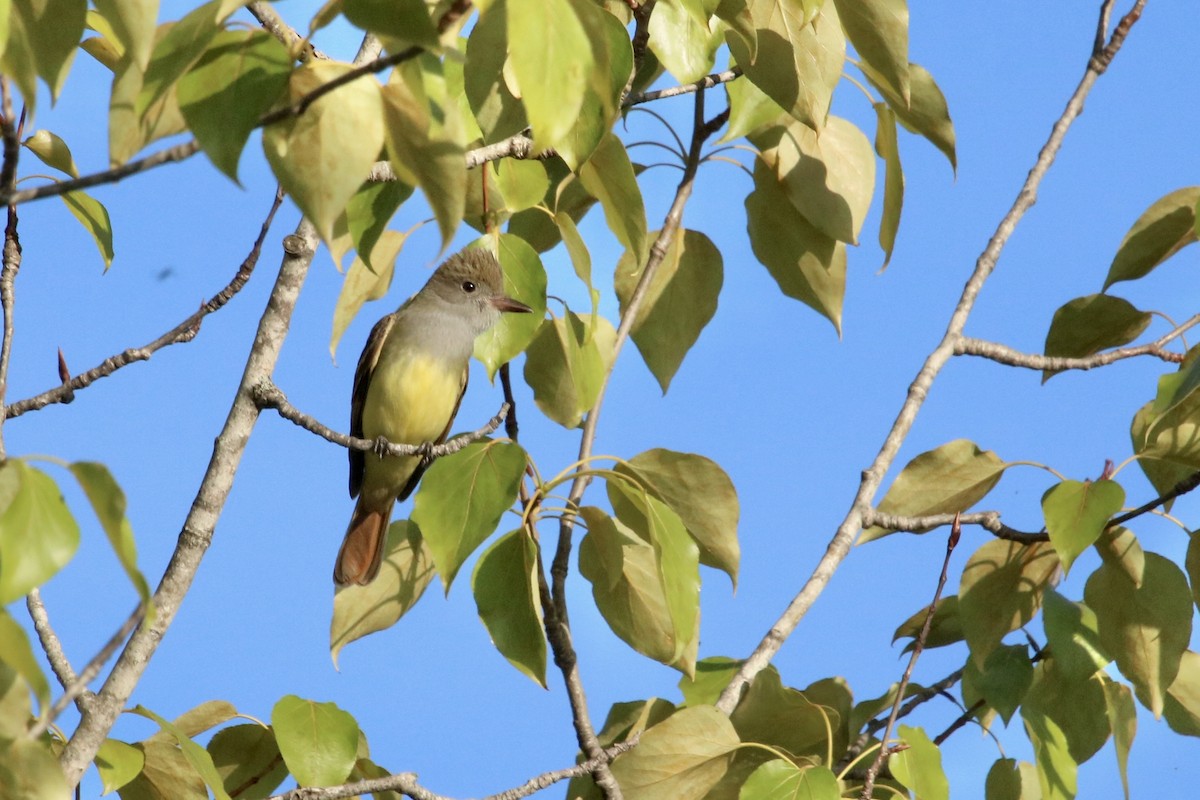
(408, 385)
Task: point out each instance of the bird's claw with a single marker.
(381, 446)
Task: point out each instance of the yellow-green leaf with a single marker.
(318, 741)
(1072, 633)
(361, 610)
(38, 535)
(108, 501)
(309, 154)
(248, 761)
(1087, 325)
(781, 780)
(52, 151)
(1122, 716)
(235, 81)
(565, 366)
(681, 39)
(547, 37)
(365, 283)
(498, 111)
(1076, 512)
(1001, 590)
(93, 216)
(1009, 779)
(461, 499)
(132, 23)
(680, 758)
(29, 771)
(118, 763)
(196, 755)
(608, 176)
(1057, 770)
(400, 21)
(945, 480)
(16, 652)
(919, 767)
(678, 302)
(878, 29)
(1160, 232)
(888, 148)
(505, 585)
(925, 112)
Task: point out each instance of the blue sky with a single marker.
(770, 393)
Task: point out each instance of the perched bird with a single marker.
(407, 388)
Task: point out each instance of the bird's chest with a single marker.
(411, 397)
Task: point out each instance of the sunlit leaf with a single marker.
(92, 214)
(133, 23)
(608, 175)
(52, 151)
(29, 771)
(461, 499)
(945, 627)
(925, 113)
(1167, 226)
(1122, 716)
(565, 365)
(878, 29)
(196, 755)
(677, 303)
(945, 480)
(1076, 513)
(499, 113)
(38, 535)
(108, 501)
(681, 39)
(1057, 771)
(400, 21)
(888, 148)
(364, 283)
(1073, 636)
(781, 780)
(547, 37)
(1087, 325)
(681, 757)
(920, 766)
(1146, 628)
(505, 585)
(166, 775)
(308, 152)
(360, 610)
(1076, 706)
(1009, 779)
(1001, 590)
(318, 741)
(16, 652)
(118, 763)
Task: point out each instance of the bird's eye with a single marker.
(468, 286)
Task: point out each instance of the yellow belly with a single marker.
(410, 401)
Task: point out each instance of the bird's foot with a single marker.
(381, 446)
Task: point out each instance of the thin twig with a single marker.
(839, 545)
(707, 82)
(267, 395)
(78, 687)
(917, 699)
(269, 18)
(179, 152)
(966, 716)
(918, 647)
(999, 353)
(51, 644)
(185, 331)
(988, 520)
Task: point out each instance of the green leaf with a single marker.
(736, 14)
(15, 708)
(1056, 769)
(248, 761)
(703, 496)
(1145, 628)
(178, 47)
(404, 21)
(498, 111)
(565, 366)
(946, 480)
(678, 302)
(505, 584)
(368, 213)
(710, 679)
(44, 34)
(773, 714)
(750, 110)
(524, 280)
(878, 29)
(799, 57)
(1076, 705)
(681, 39)
(830, 179)
(1001, 590)
(364, 283)
(523, 183)
(16, 652)
(132, 23)
(1122, 716)
(166, 775)
(92, 214)
(1162, 230)
(1009, 779)
(318, 741)
(781, 780)
(1162, 474)
(236, 80)
(1181, 706)
(920, 766)
(118, 763)
(807, 265)
(29, 771)
(608, 176)
(196, 721)
(426, 138)
(1168, 428)
(1191, 563)
(681, 758)
(38, 535)
(677, 558)
(1004, 679)
(888, 148)
(196, 755)
(1087, 325)
(642, 590)
(308, 153)
(547, 37)
(108, 501)
(946, 627)
(131, 126)
(1076, 512)
(925, 112)
(51, 151)
(581, 259)
(1119, 547)
(1073, 635)
(566, 195)
(360, 610)
(461, 499)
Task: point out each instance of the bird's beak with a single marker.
(503, 303)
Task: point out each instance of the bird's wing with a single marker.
(358, 399)
(424, 465)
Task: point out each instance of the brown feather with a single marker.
(358, 398)
(361, 553)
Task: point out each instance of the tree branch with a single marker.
(51, 644)
(839, 545)
(999, 353)
(269, 18)
(707, 82)
(183, 332)
(988, 520)
(267, 395)
(179, 152)
(918, 648)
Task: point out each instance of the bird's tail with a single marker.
(361, 554)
